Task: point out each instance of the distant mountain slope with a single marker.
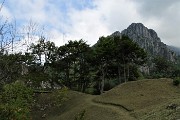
(175, 49)
(148, 39)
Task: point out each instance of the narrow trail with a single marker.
(123, 112)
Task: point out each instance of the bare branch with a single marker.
(2, 5)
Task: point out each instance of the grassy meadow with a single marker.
(155, 99)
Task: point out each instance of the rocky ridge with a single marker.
(147, 39)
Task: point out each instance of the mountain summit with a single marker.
(147, 39)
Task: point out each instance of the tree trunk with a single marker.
(124, 70)
(40, 58)
(67, 77)
(127, 72)
(119, 73)
(83, 86)
(103, 81)
(74, 73)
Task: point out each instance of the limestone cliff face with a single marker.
(148, 39)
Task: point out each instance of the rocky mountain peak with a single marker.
(147, 39)
(140, 30)
(153, 34)
(117, 33)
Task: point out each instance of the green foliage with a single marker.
(16, 101)
(44, 48)
(36, 78)
(128, 51)
(107, 86)
(91, 91)
(163, 68)
(73, 58)
(11, 66)
(17, 91)
(60, 96)
(14, 112)
(176, 81)
(77, 66)
(117, 56)
(81, 115)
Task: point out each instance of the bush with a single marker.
(16, 100)
(14, 112)
(80, 116)
(110, 84)
(92, 91)
(60, 96)
(176, 81)
(107, 86)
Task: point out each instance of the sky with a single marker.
(63, 20)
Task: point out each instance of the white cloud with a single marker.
(29, 9)
(6, 14)
(105, 18)
(56, 37)
(87, 24)
(118, 13)
(163, 16)
(102, 18)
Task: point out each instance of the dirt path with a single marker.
(123, 113)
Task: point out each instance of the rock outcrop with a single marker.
(148, 39)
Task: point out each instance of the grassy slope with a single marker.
(146, 100)
(144, 97)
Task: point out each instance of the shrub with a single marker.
(92, 91)
(16, 100)
(110, 84)
(80, 116)
(107, 86)
(14, 112)
(60, 96)
(176, 81)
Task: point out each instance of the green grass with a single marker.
(142, 100)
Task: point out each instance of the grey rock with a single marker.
(148, 40)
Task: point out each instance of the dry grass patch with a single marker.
(142, 96)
